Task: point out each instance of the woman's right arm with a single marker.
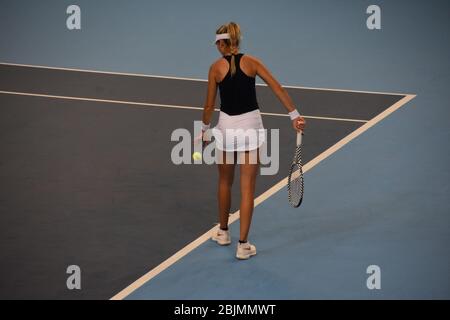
(261, 70)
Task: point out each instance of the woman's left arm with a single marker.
(208, 109)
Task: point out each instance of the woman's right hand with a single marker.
(299, 124)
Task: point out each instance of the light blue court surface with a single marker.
(381, 200)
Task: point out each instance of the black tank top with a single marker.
(237, 92)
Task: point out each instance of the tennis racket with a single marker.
(295, 180)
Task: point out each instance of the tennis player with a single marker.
(234, 74)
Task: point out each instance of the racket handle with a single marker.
(299, 137)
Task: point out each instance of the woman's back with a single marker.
(237, 91)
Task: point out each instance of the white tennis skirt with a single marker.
(243, 132)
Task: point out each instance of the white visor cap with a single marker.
(222, 36)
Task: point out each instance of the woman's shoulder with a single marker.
(252, 59)
(219, 68)
(219, 63)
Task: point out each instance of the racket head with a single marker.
(295, 185)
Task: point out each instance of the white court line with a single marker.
(186, 79)
(312, 117)
(277, 187)
(146, 104)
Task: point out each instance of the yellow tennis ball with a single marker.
(197, 156)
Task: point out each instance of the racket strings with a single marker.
(296, 181)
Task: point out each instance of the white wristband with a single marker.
(205, 126)
(294, 114)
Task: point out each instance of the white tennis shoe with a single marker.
(245, 250)
(222, 237)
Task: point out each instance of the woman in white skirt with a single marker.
(239, 132)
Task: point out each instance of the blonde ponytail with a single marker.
(235, 38)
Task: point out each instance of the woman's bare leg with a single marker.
(249, 171)
(226, 176)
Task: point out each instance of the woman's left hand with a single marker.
(205, 141)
